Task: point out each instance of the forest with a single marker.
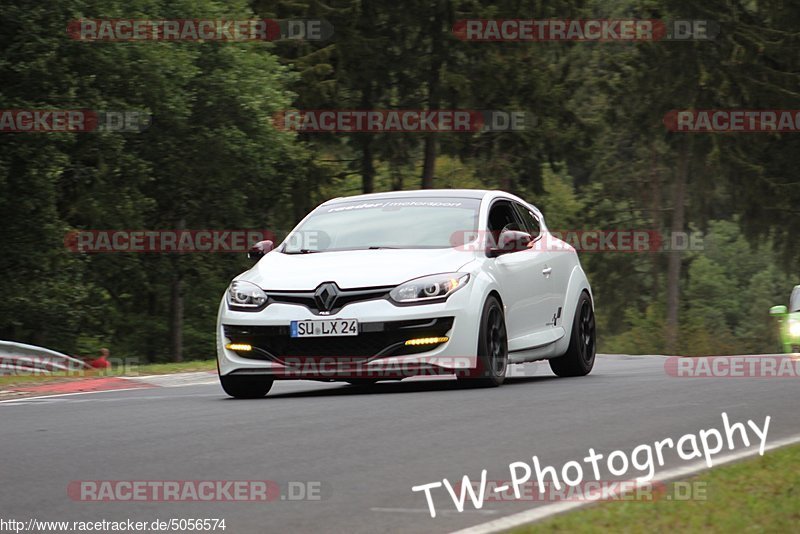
(598, 152)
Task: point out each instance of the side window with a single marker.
(501, 217)
(529, 219)
(794, 300)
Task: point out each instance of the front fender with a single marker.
(577, 284)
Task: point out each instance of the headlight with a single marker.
(794, 328)
(245, 296)
(428, 288)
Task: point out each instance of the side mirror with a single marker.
(260, 249)
(510, 241)
(777, 310)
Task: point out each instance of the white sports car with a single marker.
(390, 285)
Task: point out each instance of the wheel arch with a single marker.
(577, 285)
(495, 293)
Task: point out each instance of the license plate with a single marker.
(324, 328)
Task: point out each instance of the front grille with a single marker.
(342, 299)
(373, 340)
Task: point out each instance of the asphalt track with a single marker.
(366, 447)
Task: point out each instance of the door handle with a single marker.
(547, 270)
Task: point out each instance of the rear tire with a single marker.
(580, 355)
(246, 386)
(492, 352)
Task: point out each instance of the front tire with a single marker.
(492, 352)
(246, 386)
(580, 355)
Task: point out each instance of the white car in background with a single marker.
(390, 285)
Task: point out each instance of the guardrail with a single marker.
(20, 357)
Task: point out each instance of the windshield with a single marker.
(384, 223)
(794, 300)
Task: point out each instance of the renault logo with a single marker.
(325, 296)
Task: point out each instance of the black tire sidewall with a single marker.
(586, 365)
(246, 387)
(485, 372)
(572, 362)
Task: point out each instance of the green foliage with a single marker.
(597, 158)
(210, 159)
(729, 289)
(562, 207)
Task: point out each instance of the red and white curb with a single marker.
(101, 384)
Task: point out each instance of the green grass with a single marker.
(134, 370)
(757, 495)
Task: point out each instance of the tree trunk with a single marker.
(675, 256)
(176, 317)
(365, 140)
(396, 173)
(434, 81)
(176, 305)
(367, 168)
(657, 221)
(153, 341)
(300, 195)
(429, 161)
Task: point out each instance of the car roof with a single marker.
(477, 194)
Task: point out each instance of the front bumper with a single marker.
(377, 352)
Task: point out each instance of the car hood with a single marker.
(352, 268)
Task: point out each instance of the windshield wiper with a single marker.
(310, 251)
(302, 251)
